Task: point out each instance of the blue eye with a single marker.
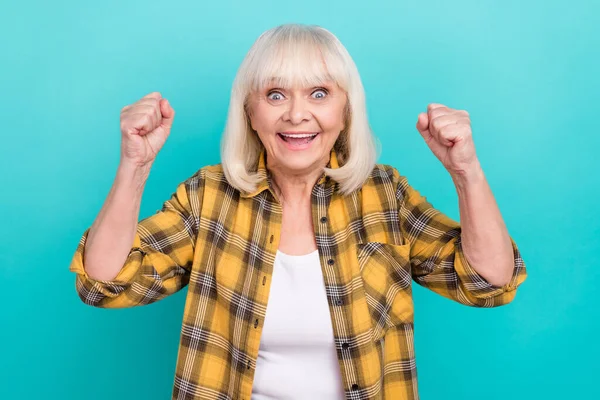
(277, 96)
(322, 91)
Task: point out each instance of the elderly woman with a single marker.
(298, 249)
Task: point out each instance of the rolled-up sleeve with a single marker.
(159, 261)
(437, 258)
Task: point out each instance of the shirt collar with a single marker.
(265, 176)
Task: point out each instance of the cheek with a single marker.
(263, 120)
(333, 119)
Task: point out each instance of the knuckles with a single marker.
(438, 122)
(435, 124)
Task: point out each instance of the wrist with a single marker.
(470, 176)
(132, 174)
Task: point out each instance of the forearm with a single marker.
(485, 239)
(112, 233)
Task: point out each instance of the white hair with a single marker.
(307, 55)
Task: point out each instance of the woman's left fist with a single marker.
(447, 132)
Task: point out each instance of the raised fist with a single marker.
(145, 126)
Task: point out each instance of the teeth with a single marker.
(298, 136)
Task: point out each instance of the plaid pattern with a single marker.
(222, 243)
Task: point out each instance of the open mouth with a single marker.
(298, 138)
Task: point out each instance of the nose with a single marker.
(297, 111)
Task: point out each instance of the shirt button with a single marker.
(345, 345)
(142, 252)
(339, 302)
(354, 386)
(323, 220)
(330, 261)
(256, 323)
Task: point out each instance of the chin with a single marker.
(298, 161)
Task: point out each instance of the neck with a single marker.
(295, 188)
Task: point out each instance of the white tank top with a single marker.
(297, 357)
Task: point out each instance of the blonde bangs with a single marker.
(294, 57)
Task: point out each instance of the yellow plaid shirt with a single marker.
(222, 243)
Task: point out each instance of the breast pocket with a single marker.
(386, 275)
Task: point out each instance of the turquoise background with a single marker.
(528, 73)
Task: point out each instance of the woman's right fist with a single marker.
(145, 126)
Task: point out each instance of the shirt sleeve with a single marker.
(437, 258)
(159, 261)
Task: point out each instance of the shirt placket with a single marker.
(269, 241)
(328, 252)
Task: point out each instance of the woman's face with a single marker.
(298, 126)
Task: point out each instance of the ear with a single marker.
(248, 112)
(346, 115)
